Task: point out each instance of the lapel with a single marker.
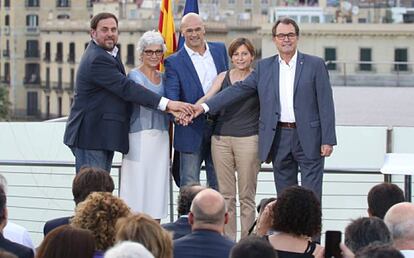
(119, 63)
(185, 58)
(274, 80)
(299, 66)
(216, 57)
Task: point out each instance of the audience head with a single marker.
(67, 242)
(128, 249)
(186, 196)
(252, 247)
(400, 221)
(364, 231)
(3, 208)
(3, 183)
(297, 212)
(381, 197)
(143, 229)
(208, 211)
(99, 214)
(90, 179)
(379, 251)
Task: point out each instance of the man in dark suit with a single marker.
(98, 123)
(20, 251)
(88, 180)
(207, 218)
(189, 75)
(297, 117)
(181, 226)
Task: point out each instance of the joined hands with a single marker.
(184, 113)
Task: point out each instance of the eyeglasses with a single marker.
(282, 36)
(158, 52)
(196, 30)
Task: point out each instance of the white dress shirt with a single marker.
(18, 234)
(204, 66)
(407, 253)
(286, 89)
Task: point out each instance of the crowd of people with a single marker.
(280, 110)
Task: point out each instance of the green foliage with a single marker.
(4, 104)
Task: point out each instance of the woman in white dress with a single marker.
(145, 169)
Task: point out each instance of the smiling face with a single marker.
(242, 58)
(106, 34)
(152, 55)
(192, 28)
(286, 40)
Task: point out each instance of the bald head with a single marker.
(193, 31)
(189, 19)
(208, 208)
(400, 221)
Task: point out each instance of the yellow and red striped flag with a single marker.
(167, 28)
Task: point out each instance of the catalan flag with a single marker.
(167, 28)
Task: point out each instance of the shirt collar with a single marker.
(292, 61)
(114, 51)
(192, 52)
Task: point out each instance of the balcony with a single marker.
(6, 30)
(63, 3)
(59, 57)
(71, 58)
(31, 79)
(46, 57)
(32, 3)
(32, 30)
(6, 52)
(32, 53)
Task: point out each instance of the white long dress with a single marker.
(145, 169)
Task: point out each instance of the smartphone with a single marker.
(332, 241)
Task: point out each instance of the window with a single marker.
(232, 2)
(130, 54)
(6, 52)
(72, 78)
(71, 57)
(32, 3)
(264, 2)
(6, 3)
(6, 72)
(330, 55)
(6, 20)
(32, 73)
(62, 3)
(365, 55)
(32, 20)
(247, 2)
(47, 85)
(59, 82)
(47, 107)
(31, 103)
(59, 52)
(401, 55)
(59, 106)
(32, 48)
(47, 52)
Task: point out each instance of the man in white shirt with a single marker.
(189, 75)
(400, 221)
(297, 117)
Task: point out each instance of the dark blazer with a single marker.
(54, 223)
(20, 251)
(99, 118)
(203, 244)
(182, 83)
(181, 227)
(313, 103)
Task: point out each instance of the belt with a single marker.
(286, 125)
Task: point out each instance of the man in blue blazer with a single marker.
(98, 123)
(189, 75)
(297, 118)
(207, 217)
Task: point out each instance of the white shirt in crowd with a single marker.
(18, 234)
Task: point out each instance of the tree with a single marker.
(4, 104)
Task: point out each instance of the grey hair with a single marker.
(401, 230)
(128, 249)
(151, 37)
(3, 183)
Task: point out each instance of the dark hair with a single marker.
(67, 242)
(3, 202)
(285, 20)
(263, 203)
(379, 251)
(382, 196)
(236, 43)
(364, 231)
(298, 212)
(90, 180)
(186, 196)
(252, 247)
(102, 16)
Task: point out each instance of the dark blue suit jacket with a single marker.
(181, 227)
(182, 83)
(203, 244)
(20, 251)
(54, 223)
(99, 118)
(313, 103)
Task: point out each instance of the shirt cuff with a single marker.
(205, 107)
(163, 104)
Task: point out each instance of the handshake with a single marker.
(184, 113)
